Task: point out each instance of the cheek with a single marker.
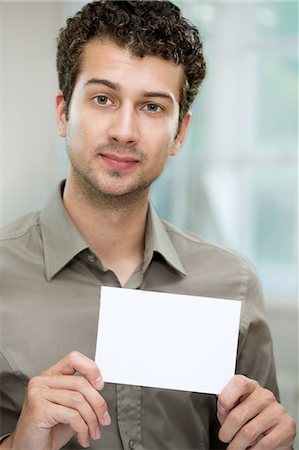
(162, 148)
(163, 135)
(162, 153)
(76, 136)
(87, 130)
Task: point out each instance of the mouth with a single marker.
(119, 162)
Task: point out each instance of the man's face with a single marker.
(123, 119)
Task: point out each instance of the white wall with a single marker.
(31, 153)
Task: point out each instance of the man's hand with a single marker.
(59, 404)
(251, 418)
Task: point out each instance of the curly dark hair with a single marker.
(155, 28)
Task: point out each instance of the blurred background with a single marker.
(235, 182)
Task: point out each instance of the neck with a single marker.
(113, 227)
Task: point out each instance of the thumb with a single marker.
(77, 362)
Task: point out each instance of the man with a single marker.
(128, 73)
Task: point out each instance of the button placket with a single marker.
(132, 444)
(91, 258)
(129, 416)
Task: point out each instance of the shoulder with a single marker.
(20, 248)
(19, 228)
(213, 270)
(190, 243)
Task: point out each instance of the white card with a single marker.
(167, 341)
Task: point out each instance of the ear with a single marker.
(180, 138)
(61, 114)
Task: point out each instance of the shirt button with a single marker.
(132, 444)
(91, 258)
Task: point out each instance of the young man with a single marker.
(128, 73)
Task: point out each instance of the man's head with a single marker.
(145, 28)
(128, 73)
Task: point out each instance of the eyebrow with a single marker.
(158, 94)
(116, 87)
(107, 83)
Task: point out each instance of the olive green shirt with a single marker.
(49, 303)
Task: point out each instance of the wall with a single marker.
(32, 157)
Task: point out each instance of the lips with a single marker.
(119, 162)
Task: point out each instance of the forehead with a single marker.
(105, 59)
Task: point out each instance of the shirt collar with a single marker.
(62, 241)
(158, 240)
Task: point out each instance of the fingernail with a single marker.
(97, 433)
(106, 419)
(221, 409)
(99, 382)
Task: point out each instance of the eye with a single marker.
(101, 100)
(153, 108)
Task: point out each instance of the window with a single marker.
(235, 182)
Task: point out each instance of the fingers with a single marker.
(74, 393)
(78, 390)
(76, 362)
(64, 415)
(239, 387)
(57, 404)
(76, 402)
(252, 418)
(241, 414)
(279, 438)
(252, 431)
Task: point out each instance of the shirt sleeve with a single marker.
(255, 358)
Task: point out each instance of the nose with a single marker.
(124, 127)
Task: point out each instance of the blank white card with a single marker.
(167, 341)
